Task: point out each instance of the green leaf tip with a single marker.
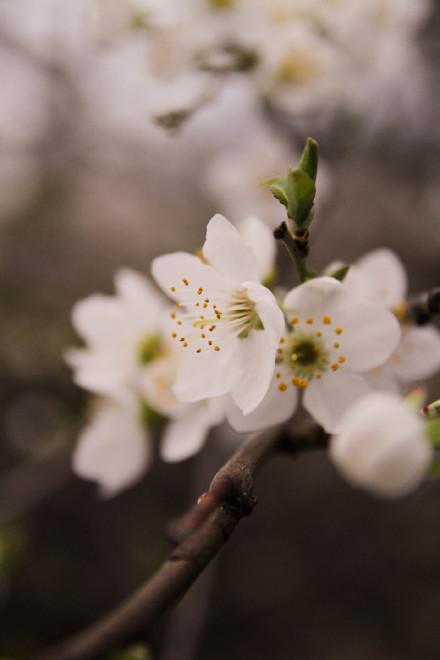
(309, 158)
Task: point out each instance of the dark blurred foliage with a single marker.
(319, 571)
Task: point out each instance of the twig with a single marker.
(212, 520)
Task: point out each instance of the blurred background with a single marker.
(115, 147)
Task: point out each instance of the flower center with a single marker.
(149, 348)
(206, 319)
(304, 354)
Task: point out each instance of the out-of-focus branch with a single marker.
(423, 307)
(204, 530)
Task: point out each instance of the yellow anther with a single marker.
(185, 344)
(336, 344)
(334, 366)
(216, 348)
(206, 300)
(173, 315)
(173, 335)
(319, 333)
(209, 343)
(198, 350)
(172, 288)
(326, 319)
(282, 387)
(205, 305)
(294, 320)
(309, 321)
(197, 304)
(282, 340)
(203, 336)
(182, 339)
(185, 281)
(341, 359)
(294, 357)
(339, 330)
(201, 317)
(211, 328)
(200, 290)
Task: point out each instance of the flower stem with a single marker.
(297, 246)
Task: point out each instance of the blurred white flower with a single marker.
(380, 276)
(131, 364)
(381, 445)
(334, 339)
(122, 333)
(113, 449)
(227, 324)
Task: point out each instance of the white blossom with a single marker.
(381, 277)
(227, 324)
(333, 339)
(131, 364)
(381, 445)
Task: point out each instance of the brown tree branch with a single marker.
(205, 529)
(424, 307)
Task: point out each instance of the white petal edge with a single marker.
(276, 408)
(227, 251)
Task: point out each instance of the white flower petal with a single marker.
(228, 253)
(268, 310)
(113, 449)
(418, 354)
(370, 332)
(100, 372)
(259, 237)
(208, 374)
(170, 269)
(98, 319)
(382, 379)
(312, 298)
(257, 356)
(185, 436)
(327, 399)
(135, 288)
(379, 276)
(382, 446)
(276, 407)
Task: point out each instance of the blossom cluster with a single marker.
(224, 343)
(303, 55)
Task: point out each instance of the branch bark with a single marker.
(202, 532)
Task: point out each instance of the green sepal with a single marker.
(433, 432)
(309, 158)
(340, 273)
(301, 191)
(149, 348)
